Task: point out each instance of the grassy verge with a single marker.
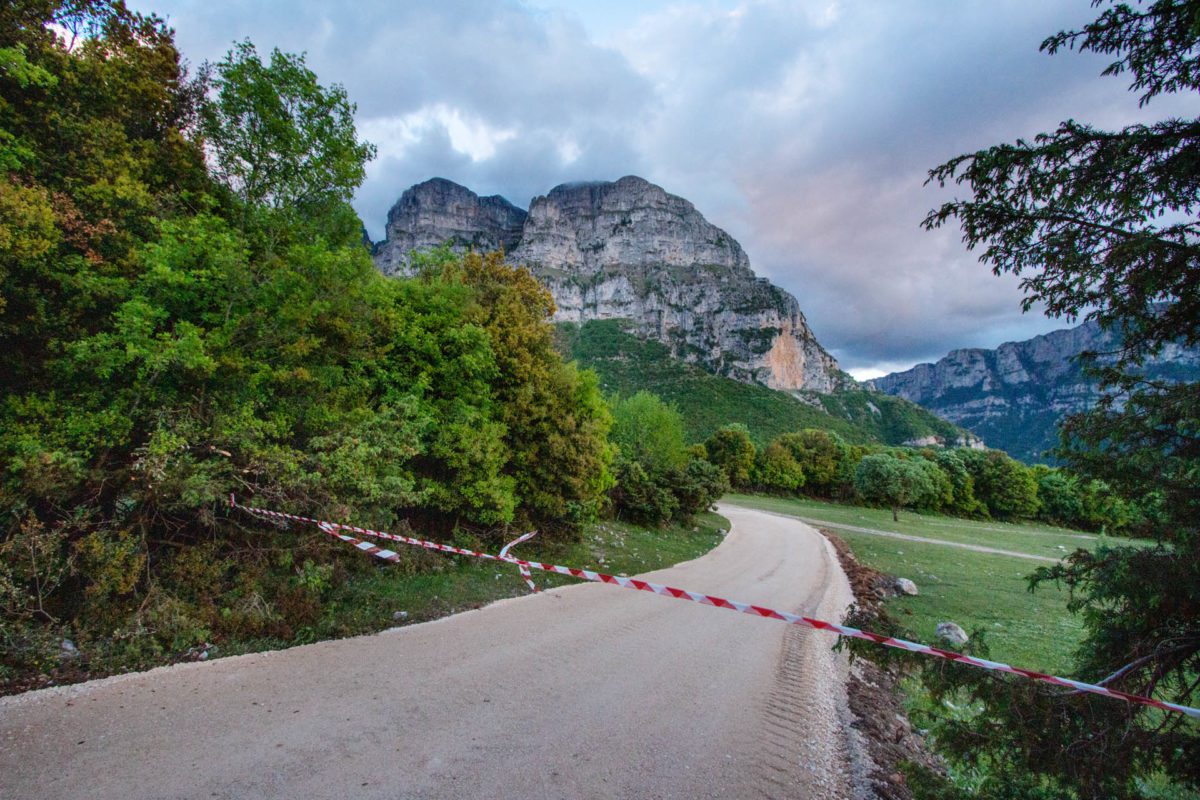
(385, 598)
(980, 591)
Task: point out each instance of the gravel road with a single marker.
(586, 691)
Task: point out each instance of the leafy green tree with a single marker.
(818, 453)
(893, 482)
(1059, 497)
(1103, 225)
(93, 145)
(941, 491)
(777, 470)
(731, 449)
(279, 140)
(555, 418)
(650, 432)
(1005, 485)
(963, 501)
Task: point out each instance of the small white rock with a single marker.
(400, 615)
(905, 586)
(952, 633)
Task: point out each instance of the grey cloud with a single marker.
(804, 129)
(829, 143)
(532, 74)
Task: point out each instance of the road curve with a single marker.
(585, 691)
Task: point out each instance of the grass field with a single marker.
(980, 591)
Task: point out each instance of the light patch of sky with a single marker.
(468, 134)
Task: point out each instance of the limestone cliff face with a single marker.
(439, 211)
(627, 249)
(1014, 396)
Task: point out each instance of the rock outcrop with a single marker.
(1015, 396)
(629, 250)
(439, 211)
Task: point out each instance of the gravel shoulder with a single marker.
(585, 691)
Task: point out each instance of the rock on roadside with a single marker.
(952, 633)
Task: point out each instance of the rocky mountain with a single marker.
(629, 250)
(439, 211)
(1015, 396)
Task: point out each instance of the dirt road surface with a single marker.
(587, 691)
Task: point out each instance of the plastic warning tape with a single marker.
(335, 529)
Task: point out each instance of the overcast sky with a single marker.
(803, 128)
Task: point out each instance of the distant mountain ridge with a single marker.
(1015, 396)
(627, 249)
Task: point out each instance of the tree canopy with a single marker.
(174, 328)
(1103, 225)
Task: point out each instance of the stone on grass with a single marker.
(68, 650)
(952, 633)
(905, 586)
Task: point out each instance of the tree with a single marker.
(1103, 225)
(650, 432)
(894, 482)
(776, 469)
(818, 453)
(278, 139)
(962, 493)
(1006, 486)
(731, 449)
(556, 422)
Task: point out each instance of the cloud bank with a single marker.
(806, 129)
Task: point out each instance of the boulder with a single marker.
(905, 586)
(951, 632)
(67, 650)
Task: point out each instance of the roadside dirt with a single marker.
(586, 691)
(875, 695)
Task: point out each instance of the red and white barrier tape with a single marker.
(333, 529)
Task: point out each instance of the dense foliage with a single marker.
(169, 335)
(658, 479)
(984, 484)
(1103, 225)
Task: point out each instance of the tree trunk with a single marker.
(895, 513)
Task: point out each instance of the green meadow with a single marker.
(985, 593)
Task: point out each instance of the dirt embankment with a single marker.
(874, 693)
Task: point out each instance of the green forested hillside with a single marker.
(627, 364)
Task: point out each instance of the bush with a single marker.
(640, 498)
(697, 486)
